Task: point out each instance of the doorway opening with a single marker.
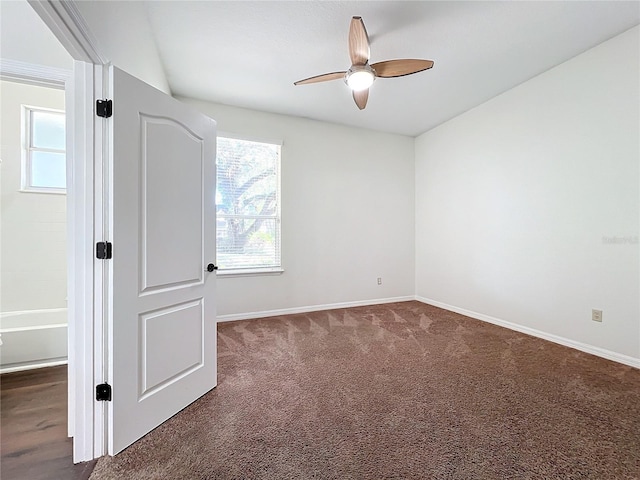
(33, 248)
(33, 226)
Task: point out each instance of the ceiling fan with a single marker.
(361, 75)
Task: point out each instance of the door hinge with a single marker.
(104, 108)
(103, 250)
(103, 392)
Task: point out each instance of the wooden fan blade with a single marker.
(399, 68)
(361, 98)
(325, 77)
(358, 42)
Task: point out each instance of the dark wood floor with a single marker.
(33, 422)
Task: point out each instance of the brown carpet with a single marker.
(397, 391)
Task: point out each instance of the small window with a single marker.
(248, 206)
(44, 156)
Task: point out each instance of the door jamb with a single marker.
(86, 281)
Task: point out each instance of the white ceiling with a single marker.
(249, 53)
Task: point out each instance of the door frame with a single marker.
(86, 225)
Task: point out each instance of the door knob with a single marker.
(211, 267)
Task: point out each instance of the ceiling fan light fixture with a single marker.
(361, 75)
(359, 78)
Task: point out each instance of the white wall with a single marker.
(32, 225)
(347, 210)
(123, 33)
(515, 201)
(24, 37)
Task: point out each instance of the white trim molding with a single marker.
(85, 417)
(86, 355)
(33, 366)
(68, 25)
(583, 347)
(313, 308)
(39, 75)
(19, 313)
(249, 272)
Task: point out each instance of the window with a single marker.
(248, 206)
(44, 156)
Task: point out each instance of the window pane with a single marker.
(48, 170)
(247, 243)
(248, 224)
(48, 130)
(246, 177)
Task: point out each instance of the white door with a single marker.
(162, 316)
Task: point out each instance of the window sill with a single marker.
(250, 272)
(55, 191)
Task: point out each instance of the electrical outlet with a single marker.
(596, 315)
(379, 280)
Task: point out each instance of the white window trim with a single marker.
(246, 272)
(258, 271)
(25, 174)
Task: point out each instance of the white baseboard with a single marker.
(32, 365)
(314, 308)
(583, 347)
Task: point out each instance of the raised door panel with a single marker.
(172, 172)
